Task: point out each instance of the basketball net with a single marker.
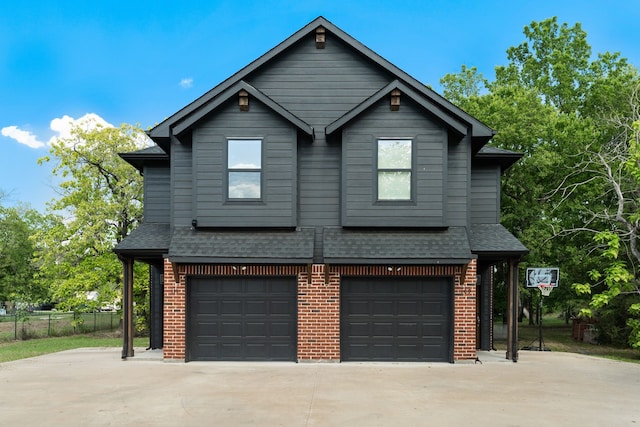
(545, 289)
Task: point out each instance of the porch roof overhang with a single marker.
(245, 247)
(493, 241)
(149, 240)
(432, 247)
(150, 155)
(496, 156)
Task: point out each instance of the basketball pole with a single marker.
(540, 346)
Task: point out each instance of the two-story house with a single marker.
(321, 204)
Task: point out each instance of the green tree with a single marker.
(100, 203)
(617, 165)
(17, 282)
(547, 103)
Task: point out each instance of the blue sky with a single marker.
(140, 61)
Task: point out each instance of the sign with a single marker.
(542, 276)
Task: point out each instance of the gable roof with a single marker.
(186, 123)
(436, 110)
(480, 132)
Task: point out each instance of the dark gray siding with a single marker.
(485, 195)
(320, 85)
(359, 206)
(181, 183)
(457, 213)
(279, 172)
(157, 194)
(319, 187)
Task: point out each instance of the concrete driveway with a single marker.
(93, 387)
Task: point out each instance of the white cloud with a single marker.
(22, 136)
(186, 82)
(60, 126)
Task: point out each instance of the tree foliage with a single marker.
(548, 102)
(17, 270)
(100, 203)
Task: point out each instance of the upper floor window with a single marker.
(394, 169)
(244, 168)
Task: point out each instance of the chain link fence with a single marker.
(27, 325)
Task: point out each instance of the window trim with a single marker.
(229, 170)
(377, 170)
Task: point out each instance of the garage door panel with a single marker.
(231, 307)
(357, 329)
(434, 308)
(408, 308)
(408, 330)
(253, 308)
(230, 329)
(281, 329)
(281, 307)
(382, 308)
(383, 351)
(399, 318)
(358, 308)
(382, 329)
(232, 318)
(433, 330)
(254, 330)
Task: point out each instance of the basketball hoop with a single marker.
(545, 289)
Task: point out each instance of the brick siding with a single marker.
(319, 303)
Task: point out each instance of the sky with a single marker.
(138, 62)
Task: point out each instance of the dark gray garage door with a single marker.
(396, 319)
(232, 318)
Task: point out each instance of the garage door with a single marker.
(396, 319)
(232, 318)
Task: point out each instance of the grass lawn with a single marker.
(556, 336)
(30, 348)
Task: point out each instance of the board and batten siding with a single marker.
(359, 151)
(157, 198)
(319, 85)
(277, 207)
(485, 195)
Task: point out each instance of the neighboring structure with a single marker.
(321, 204)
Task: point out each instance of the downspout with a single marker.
(127, 307)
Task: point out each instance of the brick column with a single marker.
(174, 335)
(464, 337)
(318, 316)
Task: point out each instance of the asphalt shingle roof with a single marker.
(189, 245)
(407, 247)
(147, 237)
(494, 239)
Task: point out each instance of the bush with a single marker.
(612, 321)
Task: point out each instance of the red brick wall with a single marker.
(175, 292)
(464, 326)
(318, 316)
(319, 304)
